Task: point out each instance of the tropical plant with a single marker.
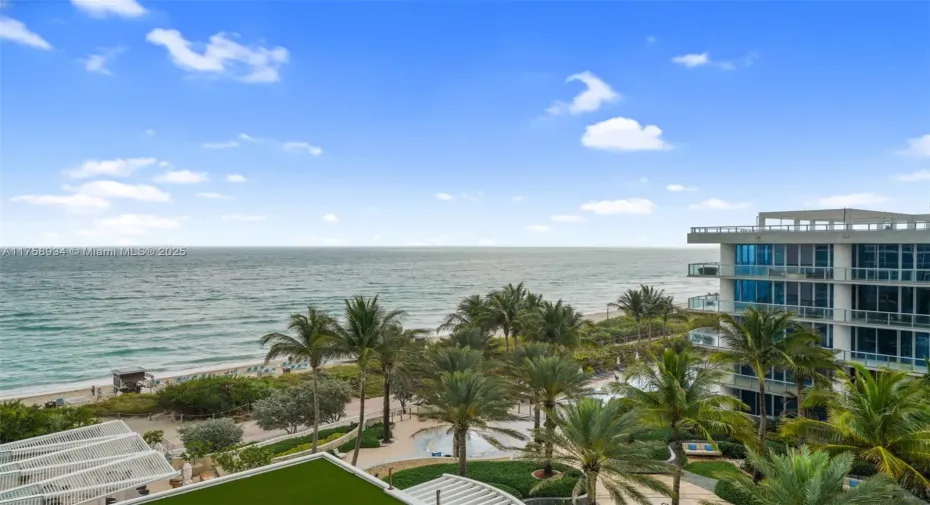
(633, 305)
(515, 367)
(762, 340)
(396, 349)
(290, 409)
(213, 395)
(442, 359)
(653, 302)
(551, 379)
(403, 388)
(595, 437)
(468, 401)
(360, 335)
(473, 337)
(314, 342)
(504, 309)
(802, 477)
(556, 324)
(19, 421)
(211, 435)
(678, 391)
(883, 418)
(244, 459)
(153, 437)
(810, 362)
(471, 311)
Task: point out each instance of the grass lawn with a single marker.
(507, 475)
(720, 470)
(316, 482)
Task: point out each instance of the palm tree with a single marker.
(360, 336)
(594, 437)
(556, 324)
(761, 340)
(801, 477)
(466, 401)
(315, 342)
(632, 304)
(505, 306)
(443, 359)
(396, 349)
(475, 338)
(883, 418)
(517, 369)
(552, 379)
(678, 391)
(811, 362)
(471, 311)
(666, 310)
(652, 301)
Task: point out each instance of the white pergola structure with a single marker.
(455, 490)
(78, 466)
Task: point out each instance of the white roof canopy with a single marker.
(455, 490)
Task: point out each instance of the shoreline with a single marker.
(77, 393)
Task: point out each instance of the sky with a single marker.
(135, 122)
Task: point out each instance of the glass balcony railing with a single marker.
(713, 303)
(706, 337)
(863, 275)
(821, 227)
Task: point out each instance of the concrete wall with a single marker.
(813, 237)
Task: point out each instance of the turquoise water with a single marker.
(65, 321)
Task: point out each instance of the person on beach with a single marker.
(93, 390)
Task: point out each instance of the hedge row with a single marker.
(729, 492)
(309, 445)
(285, 446)
(371, 439)
(507, 475)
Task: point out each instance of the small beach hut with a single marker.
(131, 380)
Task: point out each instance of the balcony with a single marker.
(810, 273)
(817, 227)
(712, 303)
(752, 384)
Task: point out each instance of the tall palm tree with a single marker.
(556, 324)
(475, 338)
(594, 437)
(505, 307)
(552, 379)
(360, 335)
(466, 401)
(395, 351)
(811, 362)
(678, 391)
(665, 310)
(653, 301)
(471, 311)
(516, 368)
(883, 418)
(632, 304)
(442, 359)
(801, 477)
(761, 340)
(315, 342)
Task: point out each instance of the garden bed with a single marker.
(509, 475)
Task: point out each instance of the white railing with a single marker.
(863, 275)
(877, 226)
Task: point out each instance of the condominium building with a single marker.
(860, 277)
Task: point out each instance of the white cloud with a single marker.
(851, 200)
(630, 206)
(920, 175)
(150, 132)
(483, 242)
(302, 147)
(235, 178)
(114, 168)
(222, 56)
(517, 199)
(214, 196)
(220, 145)
(919, 147)
(243, 218)
(692, 60)
(113, 189)
(330, 218)
(97, 62)
(597, 93)
(444, 196)
(568, 218)
(717, 204)
(77, 201)
(678, 188)
(245, 136)
(130, 224)
(182, 177)
(623, 134)
(538, 228)
(103, 8)
(15, 31)
(473, 196)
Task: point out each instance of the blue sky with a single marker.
(510, 124)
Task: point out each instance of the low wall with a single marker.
(328, 445)
(382, 468)
(582, 500)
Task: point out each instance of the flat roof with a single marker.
(843, 215)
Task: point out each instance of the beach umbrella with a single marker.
(187, 474)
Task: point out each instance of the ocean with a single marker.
(66, 321)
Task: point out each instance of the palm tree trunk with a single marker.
(591, 488)
(455, 446)
(763, 424)
(460, 435)
(361, 412)
(679, 465)
(550, 432)
(506, 340)
(386, 407)
(799, 382)
(316, 411)
(536, 423)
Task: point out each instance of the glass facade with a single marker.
(903, 299)
(804, 294)
(775, 405)
(907, 347)
(897, 262)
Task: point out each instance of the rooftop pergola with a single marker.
(78, 466)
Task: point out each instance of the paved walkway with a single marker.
(690, 494)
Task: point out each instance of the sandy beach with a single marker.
(82, 395)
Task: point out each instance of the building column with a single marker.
(842, 262)
(727, 260)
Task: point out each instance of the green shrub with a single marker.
(732, 450)
(507, 489)
(129, 403)
(284, 446)
(246, 459)
(213, 395)
(211, 435)
(371, 439)
(374, 384)
(863, 468)
(729, 492)
(153, 437)
(514, 474)
(19, 421)
(309, 445)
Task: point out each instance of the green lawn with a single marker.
(720, 470)
(316, 482)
